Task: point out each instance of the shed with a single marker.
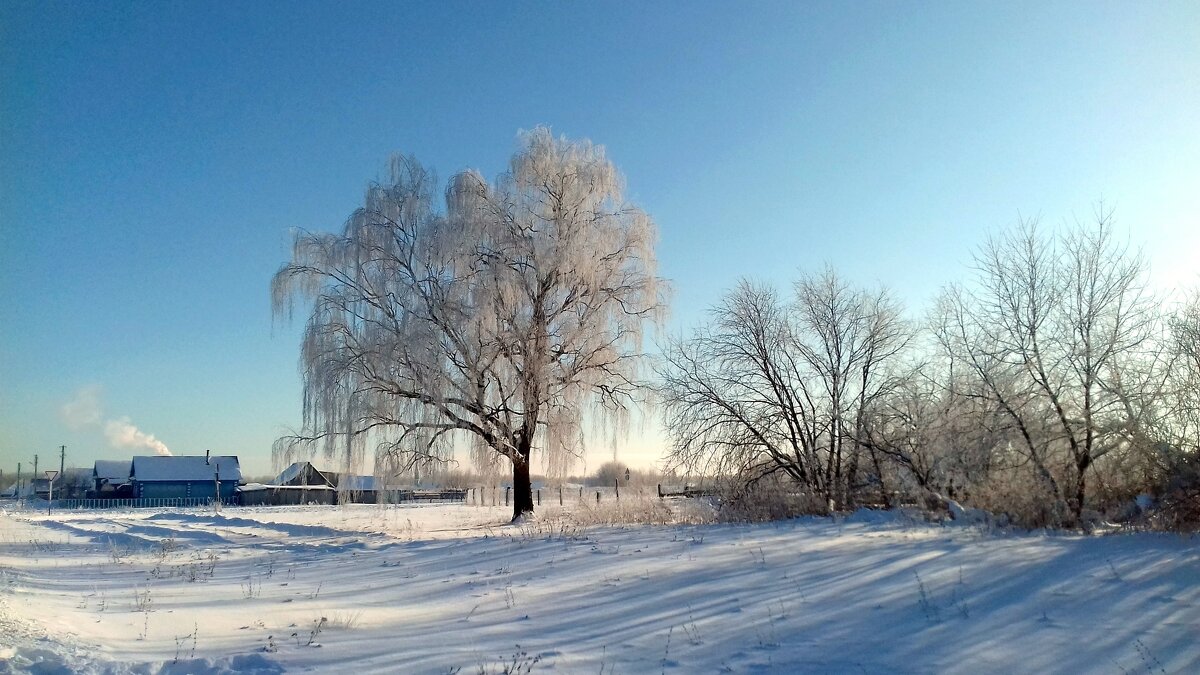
(256, 494)
(359, 489)
(110, 475)
(358, 483)
(355, 488)
(302, 473)
(167, 477)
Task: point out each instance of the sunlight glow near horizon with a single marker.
(153, 158)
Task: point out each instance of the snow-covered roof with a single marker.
(359, 483)
(112, 469)
(289, 473)
(301, 473)
(150, 468)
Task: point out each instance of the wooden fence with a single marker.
(501, 495)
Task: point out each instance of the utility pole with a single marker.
(33, 478)
(17, 496)
(62, 458)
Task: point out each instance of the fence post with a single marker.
(580, 493)
(506, 488)
(617, 487)
(560, 495)
(539, 495)
(597, 496)
(660, 490)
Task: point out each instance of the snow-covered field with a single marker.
(434, 588)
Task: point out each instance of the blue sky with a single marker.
(153, 157)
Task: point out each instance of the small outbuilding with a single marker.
(111, 478)
(18, 490)
(175, 477)
(356, 489)
(303, 474)
(257, 494)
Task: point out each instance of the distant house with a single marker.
(303, 474)
(21, 490)
(40, 487)
(73, 483)
(111, 478)
(159, 477)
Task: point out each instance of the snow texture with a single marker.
(431, 588)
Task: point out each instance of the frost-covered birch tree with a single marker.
(496, 320)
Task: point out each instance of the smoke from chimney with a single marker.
(122, 433)
(86, 410)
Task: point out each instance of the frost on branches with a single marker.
(491, 321)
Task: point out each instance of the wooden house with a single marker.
(172, 477)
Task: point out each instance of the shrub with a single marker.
(1179, 499)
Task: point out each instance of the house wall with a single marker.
(181, 489)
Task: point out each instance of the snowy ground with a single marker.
(435, 588)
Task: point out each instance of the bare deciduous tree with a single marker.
(847, 336)
(1183, 398)
(942, 440)
(769, 388)
(1053, 329)
(497, 319)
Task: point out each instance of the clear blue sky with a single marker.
(154, 155)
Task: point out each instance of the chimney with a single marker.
(206, 455)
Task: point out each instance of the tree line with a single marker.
(1052, 384)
